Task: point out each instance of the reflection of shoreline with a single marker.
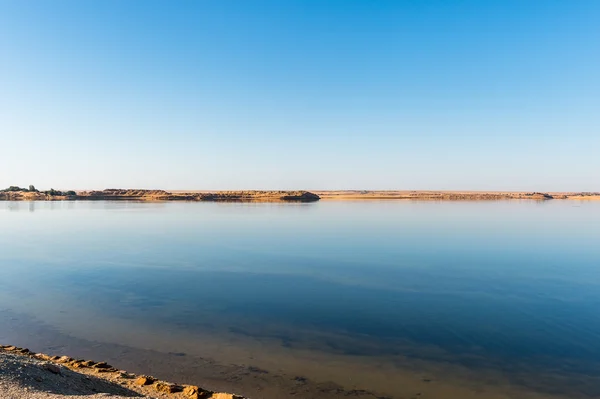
(242, 364)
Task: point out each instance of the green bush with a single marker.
(15, 188)
(53, 192)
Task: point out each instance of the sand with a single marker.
(25, 375)
(28, 378)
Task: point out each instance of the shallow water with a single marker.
(494, 297)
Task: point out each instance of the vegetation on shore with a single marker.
(32, 189)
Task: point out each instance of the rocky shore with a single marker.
(28, 375)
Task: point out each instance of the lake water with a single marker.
(393, 299)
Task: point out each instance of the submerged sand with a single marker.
(305, 375)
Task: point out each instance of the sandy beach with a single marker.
(28, 375)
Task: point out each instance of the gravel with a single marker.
(29, 378)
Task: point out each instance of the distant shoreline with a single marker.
(454, 195)
(286, 196)
(159, 195)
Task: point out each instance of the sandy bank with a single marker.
(453, 195)
(290, 196)
(161, 195)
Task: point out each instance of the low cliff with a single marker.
(159, 195)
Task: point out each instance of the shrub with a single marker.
(15, 188)
(53, 192)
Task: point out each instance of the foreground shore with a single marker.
(28, 375)
(286, 196)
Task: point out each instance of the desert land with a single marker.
(15, 193)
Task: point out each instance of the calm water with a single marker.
(508, 288)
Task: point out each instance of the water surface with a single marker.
(490, 297)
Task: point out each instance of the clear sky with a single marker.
(319, 94)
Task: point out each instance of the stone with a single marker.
(10, 348)
(76, 364)
(145, 380)
(190, 390)
(42, 356)
(64, 359)
(224, 396)
(109, 370)
(88, 363)
(102, 367)
(194, 392)
(200, 395)
(166, 387)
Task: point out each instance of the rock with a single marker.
(145, 380)
(225, 396)
(88, 363)
(76, 364)
(102, 365)
(125, 374)
(194, 392)
(10, 348)
(166, 387)
(190, 390)
(64, 359)
(42, 356)
(109, 370)
(304, 196)
(54, 369)
(201, 395)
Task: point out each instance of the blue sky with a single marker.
(479, 95)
